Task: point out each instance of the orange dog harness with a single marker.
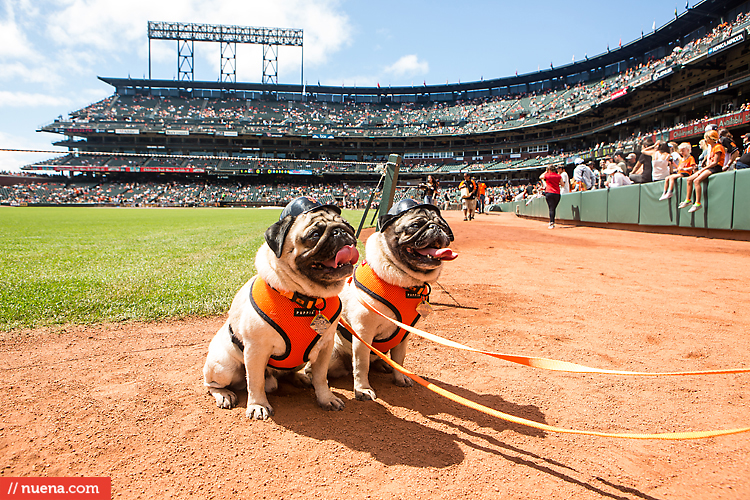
(290, 314)
(401, 301)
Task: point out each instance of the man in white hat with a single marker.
(615, 177)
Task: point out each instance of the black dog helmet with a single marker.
(276, 234)
(400, 209)
(304, 204)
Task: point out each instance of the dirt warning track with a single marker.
(127, 401)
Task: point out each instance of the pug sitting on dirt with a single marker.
(402, 259)
(285, 317)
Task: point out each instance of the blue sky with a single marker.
(52, 51)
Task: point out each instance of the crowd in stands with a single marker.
(719, 151)
(53, 191)
(484, 114)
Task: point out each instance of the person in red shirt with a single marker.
(552, 182)
(715, 164)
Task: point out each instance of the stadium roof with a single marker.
(701, 15)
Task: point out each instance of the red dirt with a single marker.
(127, 401)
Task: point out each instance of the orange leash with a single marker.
(549, 364)
(545, 427)
(542, 363)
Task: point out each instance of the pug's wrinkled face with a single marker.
(319, 244)
(420, 238)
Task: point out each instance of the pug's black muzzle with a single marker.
(334, 239)
(432, 234)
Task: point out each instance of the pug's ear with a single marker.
(382, 220)
(349, 226)
(276, 234)
(446, 228)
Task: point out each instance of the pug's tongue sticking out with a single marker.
(438, 253)
(347, 255)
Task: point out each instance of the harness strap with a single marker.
(401, 301)
(235, 340)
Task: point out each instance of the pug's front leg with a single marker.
(361, 368)
(319, 371)
(258, 407)
(398, 354)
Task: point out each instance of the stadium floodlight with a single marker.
(228, 36)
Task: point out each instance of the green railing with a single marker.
(726, 205)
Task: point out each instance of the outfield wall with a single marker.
(726, 205)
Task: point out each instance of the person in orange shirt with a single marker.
(715, 164)
(482, 189)
(685, 168)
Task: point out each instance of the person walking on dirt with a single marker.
(468, 189)
(481, 191)
(552, 181)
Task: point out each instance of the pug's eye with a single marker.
(315, 236)
(415, 225)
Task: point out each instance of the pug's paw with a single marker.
(258, 412)
(380, 366)
(365, 394)
(302, 379)
(331, 403)
(401, 380)
(224, 398)
(271, 384)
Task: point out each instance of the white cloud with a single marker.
(107, 26)
(13, 42)
(12, 161)
(30, 100)
(52, 50)
(408, 65)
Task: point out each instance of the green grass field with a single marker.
(90, 265)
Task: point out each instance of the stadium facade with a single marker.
(668, 83)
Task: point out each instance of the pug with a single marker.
(402, 259)
(285, 317)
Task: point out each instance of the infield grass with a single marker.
(89, 265)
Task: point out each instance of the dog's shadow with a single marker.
(401, 431)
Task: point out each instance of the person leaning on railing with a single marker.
(715, 164)
(685, 168)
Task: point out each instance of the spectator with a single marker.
(429, 190)
(642, 171)
(661, 160)
(565, 180)
(630, 162)
(482, 189)
(703, 157)
(552, 182)
(676, 157)
(733, 152)
(615, 177)
(619, 159)
(597, 174)
(714, 165)
(468, 189)
(744, 160)
(685, 168)
(583, 177)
